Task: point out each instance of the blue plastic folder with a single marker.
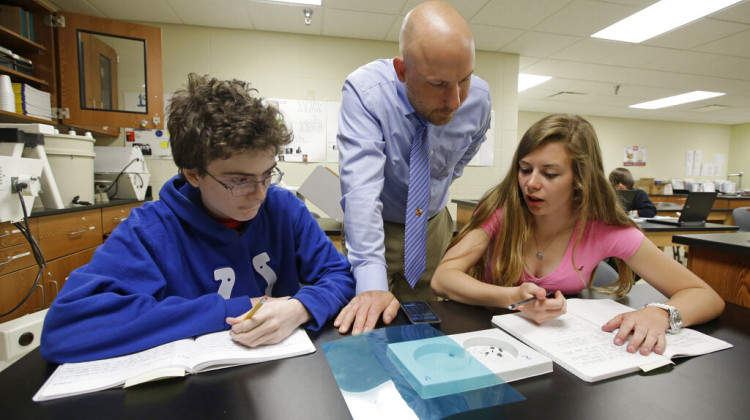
(361, 363)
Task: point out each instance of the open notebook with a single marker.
(694, 213)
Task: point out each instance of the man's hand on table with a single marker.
(362, 313)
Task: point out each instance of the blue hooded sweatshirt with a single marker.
(170, 271)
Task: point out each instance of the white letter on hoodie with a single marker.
(226, 277)
(259, 262)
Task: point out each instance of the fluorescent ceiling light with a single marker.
(697, 95)
(526, 81)
(310, 2)
(659, 18)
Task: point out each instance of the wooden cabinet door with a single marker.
(57, 272)
(137, 50)
(13, 289)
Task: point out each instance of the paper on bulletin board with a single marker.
(153, 143)
(486, 154)
(634, 156)
(708, 169)
(689, 162)
(307, 120)
(720, 160)
(697, 161)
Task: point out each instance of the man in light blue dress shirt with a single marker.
(382, 103)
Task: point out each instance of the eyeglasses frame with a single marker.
(263, 181)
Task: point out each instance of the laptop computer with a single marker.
(626, 198)
(694, 213)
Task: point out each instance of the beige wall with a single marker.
(739, 158)
(666, 143)
(314, 68)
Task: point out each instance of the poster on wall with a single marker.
(153, 143)
(697, 162)
(689, 155)
(307, 120)
(634, 156)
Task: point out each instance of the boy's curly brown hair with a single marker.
(214, 119)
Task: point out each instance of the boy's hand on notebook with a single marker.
(273, 322)
(646, 328)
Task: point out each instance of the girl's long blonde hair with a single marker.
(593, 199)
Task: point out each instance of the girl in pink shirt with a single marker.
(548, 224)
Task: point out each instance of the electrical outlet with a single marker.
(21, 335)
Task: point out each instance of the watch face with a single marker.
(675, 319)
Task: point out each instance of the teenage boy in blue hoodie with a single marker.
(220, 237)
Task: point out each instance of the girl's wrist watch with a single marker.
(675, 319)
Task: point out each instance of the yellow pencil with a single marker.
(255, 308)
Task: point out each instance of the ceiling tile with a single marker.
(735, 45)
(584, 17)
(680, 62)
(233, 14)
(393, 7)
(697, 33)
(78, 6)
(739, 12)
(492, 38)
(285, 18)
(539, 44)
(517, 14)
(636, 55)
(589, 49)
(362, 25)
(137, 10)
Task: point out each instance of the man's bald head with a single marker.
(432, 26)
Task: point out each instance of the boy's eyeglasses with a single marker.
(249, 187)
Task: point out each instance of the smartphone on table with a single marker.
(419, 312)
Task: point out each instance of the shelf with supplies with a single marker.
(15, 118)
(22, 76)
(28, 61)
(20, 44)
(46, 55)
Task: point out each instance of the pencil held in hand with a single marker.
(255, 308)
(519, 305)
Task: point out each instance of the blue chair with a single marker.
(742, 218)
(604, 275)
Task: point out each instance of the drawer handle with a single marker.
(7, 233)
(13, 257)
(118, 219)
(77, 232)
(57, 289)
(44, 297)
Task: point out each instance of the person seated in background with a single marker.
(547, 226)
(220, 237)
(622, 179)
